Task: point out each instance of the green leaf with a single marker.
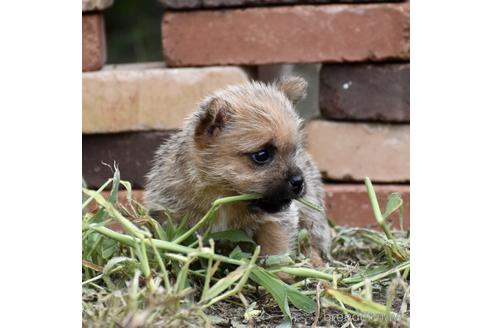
(161, 234)
(113, 197)
(401, 217)
(128, 187)
(91, 244)
(282, 293)
(121, 261)
(109, 246)
(225, 282)
(274, 286)
(182, 279)
(99, 217)
(356, 302)
(238, 254)
(394, 202)
(231, 235)
(300, 300)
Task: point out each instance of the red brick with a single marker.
(93, 42)
(132, 151)
(198, 4)
(365, 92)
(348, 204)
(296, 34)
(352, 151)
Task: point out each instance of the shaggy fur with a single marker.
(211, 158)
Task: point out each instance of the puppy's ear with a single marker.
(295, 88)
(212, 120)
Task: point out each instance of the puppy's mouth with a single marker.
(270, 205)
(277, 199)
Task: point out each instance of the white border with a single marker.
(451, 163)
(40, 165)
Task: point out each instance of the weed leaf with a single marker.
(225, 282)
(232, 235)
(394, 202)
(300, 300)
(274, 286)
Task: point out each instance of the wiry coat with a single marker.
(208, 159)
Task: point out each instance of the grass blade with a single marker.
(375, 208)
(225, 283)
(355, 301)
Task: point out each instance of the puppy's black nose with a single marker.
(296, 183)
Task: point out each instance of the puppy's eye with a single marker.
(262, 157)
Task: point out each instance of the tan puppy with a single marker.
(243, 139)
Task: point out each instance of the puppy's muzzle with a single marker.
(279, 198)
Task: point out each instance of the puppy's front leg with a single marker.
(273, 238)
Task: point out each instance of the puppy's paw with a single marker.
(316, 259)
(321, 244)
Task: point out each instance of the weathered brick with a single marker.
(348, 204)
(296, 34)
(148, 96)
(93, 42)
(90, 5)
(365, 92)
(198, 4)
(133, 152)
(352, 151)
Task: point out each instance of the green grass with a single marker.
(170, 275)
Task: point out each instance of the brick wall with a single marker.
(355, 55)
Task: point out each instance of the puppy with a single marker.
(244, 139)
